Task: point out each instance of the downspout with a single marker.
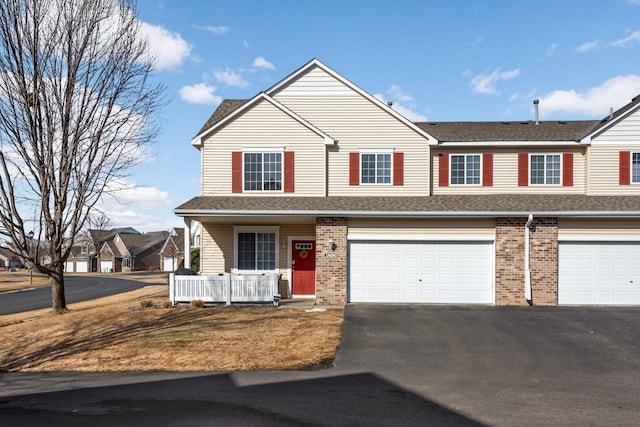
(527, 264)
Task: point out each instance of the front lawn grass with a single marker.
(128, 333)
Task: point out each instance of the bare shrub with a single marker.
(197, 303)
(166, 304)
(147, 303)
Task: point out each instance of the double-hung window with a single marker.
(635, 168)
(465, 169)
(262, 171)
(375, 167)
(256, 250)
(545, 169)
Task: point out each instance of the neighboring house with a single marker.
(84, 253)
(132, 252)
(349, 201)
(172, 252)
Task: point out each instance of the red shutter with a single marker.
(523, 169)
(289, 171)
(487, 169)
(236, 172)
(625, 167)
(567, 169)
(354, 168)
(398, 168)
(443, 170)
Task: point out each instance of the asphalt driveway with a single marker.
(397, 365)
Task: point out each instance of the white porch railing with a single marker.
(225, 288)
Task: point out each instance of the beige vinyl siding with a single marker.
(316, 82)
(218, 245)
(427, 228)
(264, 125)
(358, 124)
(598, 229)
(217, 248)
(625, 131)
(505, 171)
(604, 170)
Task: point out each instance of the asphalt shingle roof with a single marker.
(508, 131)
(431, 205)
(225, 108)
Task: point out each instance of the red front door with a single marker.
(303, 267)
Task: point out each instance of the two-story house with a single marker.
(349, 201)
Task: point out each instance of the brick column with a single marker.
(510, 261)
(544, 261)
(331, 265)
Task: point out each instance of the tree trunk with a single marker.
(57, 288)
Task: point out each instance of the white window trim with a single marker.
(479, 184)
(263, 150)
(377, 151)
(631, 181)
(559, 184)
(255, 229)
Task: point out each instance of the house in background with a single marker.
(84, 253)
(132, 252)
(348, 201)
(172, 252)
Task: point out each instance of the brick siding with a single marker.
(331, 273)
(543, 261)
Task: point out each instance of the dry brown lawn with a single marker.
(117, 334)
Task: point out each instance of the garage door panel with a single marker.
(421, 272)
(599, 273)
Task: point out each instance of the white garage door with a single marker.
(81, 266)
(599, 273)
(68, 267)
(421, 272)
(106, 266)
(169, 264)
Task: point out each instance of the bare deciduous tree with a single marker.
(76, 107)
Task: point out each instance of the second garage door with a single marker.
(599, 273)
(421, 272)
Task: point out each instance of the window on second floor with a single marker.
(465, 169)
(375, 168)
(544, 169)
(262, 171)
(635, 168)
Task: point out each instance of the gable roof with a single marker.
(137, 243)
(613, 118)
(262, 96)
(569, 131)
(229, 108)
(177, 237)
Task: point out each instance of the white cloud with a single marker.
(168, 49)
(397, 93)
(630, 39)
(260, 62)
(131, 205)
(588, 46)
(230, 78)
(595, 102)
(200, 93)
(486, 83)
(215, 29)
(403, 110)
(245, 43)
(633, 1)
(551, 49)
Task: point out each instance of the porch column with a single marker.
(187, 246)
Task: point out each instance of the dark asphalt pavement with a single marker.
(397, 365)
(77, 288)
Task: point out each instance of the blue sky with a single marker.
(465, 60)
